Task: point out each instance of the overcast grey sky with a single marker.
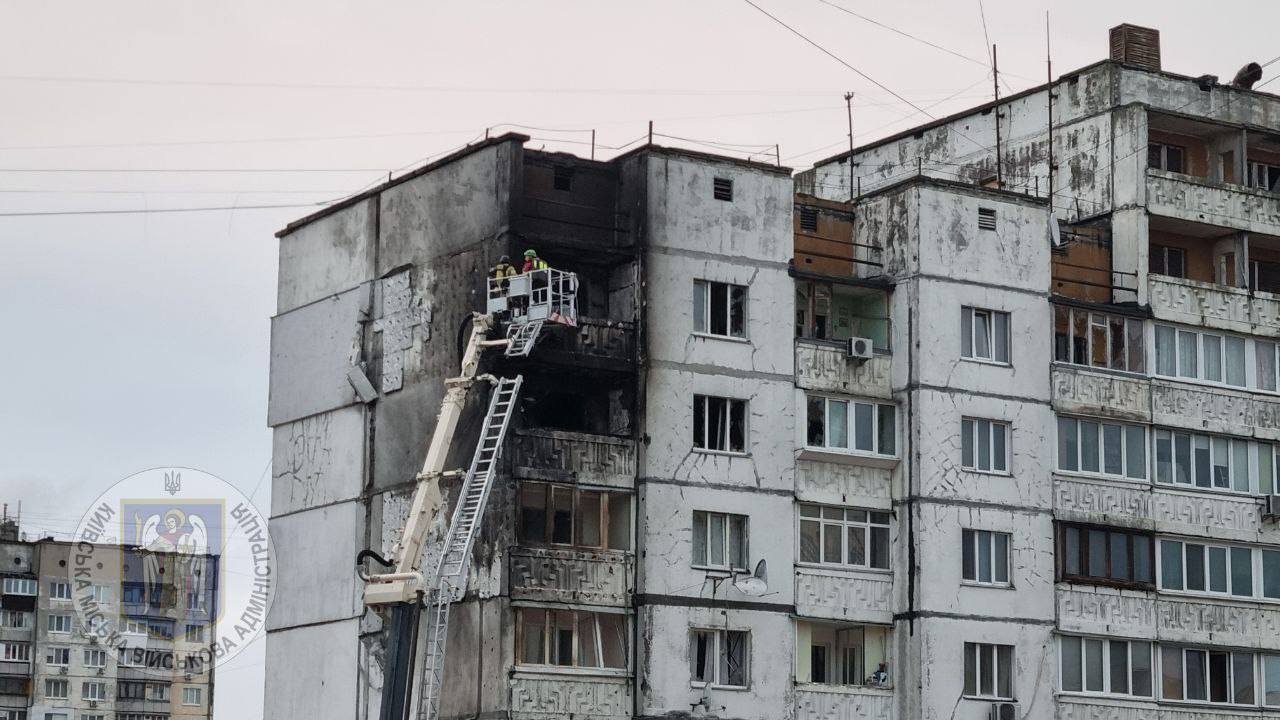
(137, 340)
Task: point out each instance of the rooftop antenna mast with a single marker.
(995, 80)
(848, 106)
(1048, 61)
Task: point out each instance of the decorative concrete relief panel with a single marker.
(866, 597)
(1130, 614)
(841, 484)
(826, 368)
(565, 697)
(1199, 303)
(1214, 410)
(1092, 393)
(1207, 623)
(1155, 508)
(574, 457)
(1193, 199)
(1072, 709)
(602, 578)
(830, 705)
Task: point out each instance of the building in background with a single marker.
(55, 670)
(996, 414)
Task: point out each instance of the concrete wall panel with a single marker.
(314, 672)
(318, 460)
(312, 348)
(315, 556)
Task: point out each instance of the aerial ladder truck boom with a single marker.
(526, 302)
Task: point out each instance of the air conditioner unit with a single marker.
(93, 703)
(859, 349)
(102, 671)
(62, 670)
(1271, 508)
(93, 640)
(1004, 711)
(186, 676)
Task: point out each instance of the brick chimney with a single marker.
(1136, 46)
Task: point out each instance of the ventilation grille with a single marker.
(809, 219)
(986, 219)
(723, 189)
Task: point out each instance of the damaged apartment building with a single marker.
(950, 426)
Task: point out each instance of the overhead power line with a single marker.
(154, 211)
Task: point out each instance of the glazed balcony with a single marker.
(554, 696)
(603, 577)
(571, 457)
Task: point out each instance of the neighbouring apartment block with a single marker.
(1000, 422)
(54, 668)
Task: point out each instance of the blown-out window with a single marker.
(720, 657)
(719, 309)
(719, 424)
(571, 638)
(553, 514)
(1083, 337)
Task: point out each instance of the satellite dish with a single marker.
(755, 584)
(1055, 233)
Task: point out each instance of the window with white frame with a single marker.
(57, 656)
(719, 309)
(1271, 680)
(1085, 337)
(847, 537)
(985, 557)
(192, 696)
(1112, 667)
(984, 334)
(12, 714)
(988, 671)
(63, 716)
(91, 690)
(101, 594)
(1199, 355)
(60, 590)
(571, 638)
(56, 689)
(1102, 448)
(15, 651)
(157, 691)
(1266, 361)
(719, 540)
(837, 654)
(19, 586)
(194, 633)
(1210, 676)
(1219, 569)
(17, 619)
(984, 445)
(720, 658)
(1214, 461)
(1105, 556)
(1162, 156)
(95, 658)
(93, 716)
(59, 623)
(719, 424)
(552, 514)
(848, 426)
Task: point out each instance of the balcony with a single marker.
(552, 696)
(852, 595)
(1198, 199)
(1213, 409)
(825, 367)
(1144, 614)
(571, 576)
(1193, 302)
(11, 667)
(1142, 505)
(1080, 390)
(821, 702)
(570, 457)
(592, 344)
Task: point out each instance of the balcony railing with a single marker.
(1144, 614)
(826, 367)
(1206, 201)
(844, 595)
(1078, 389)
(1218, 410)
(594, 342)
(537, 696)
(571, 576)
(818, 702)
(1192, 302)
(560, 456)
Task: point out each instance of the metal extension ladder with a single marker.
(451, 573)
(521, 338)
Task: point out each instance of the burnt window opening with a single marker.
(568, 411)
(722, 189)
(986, 218)
(563, 178)
(809, 219)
